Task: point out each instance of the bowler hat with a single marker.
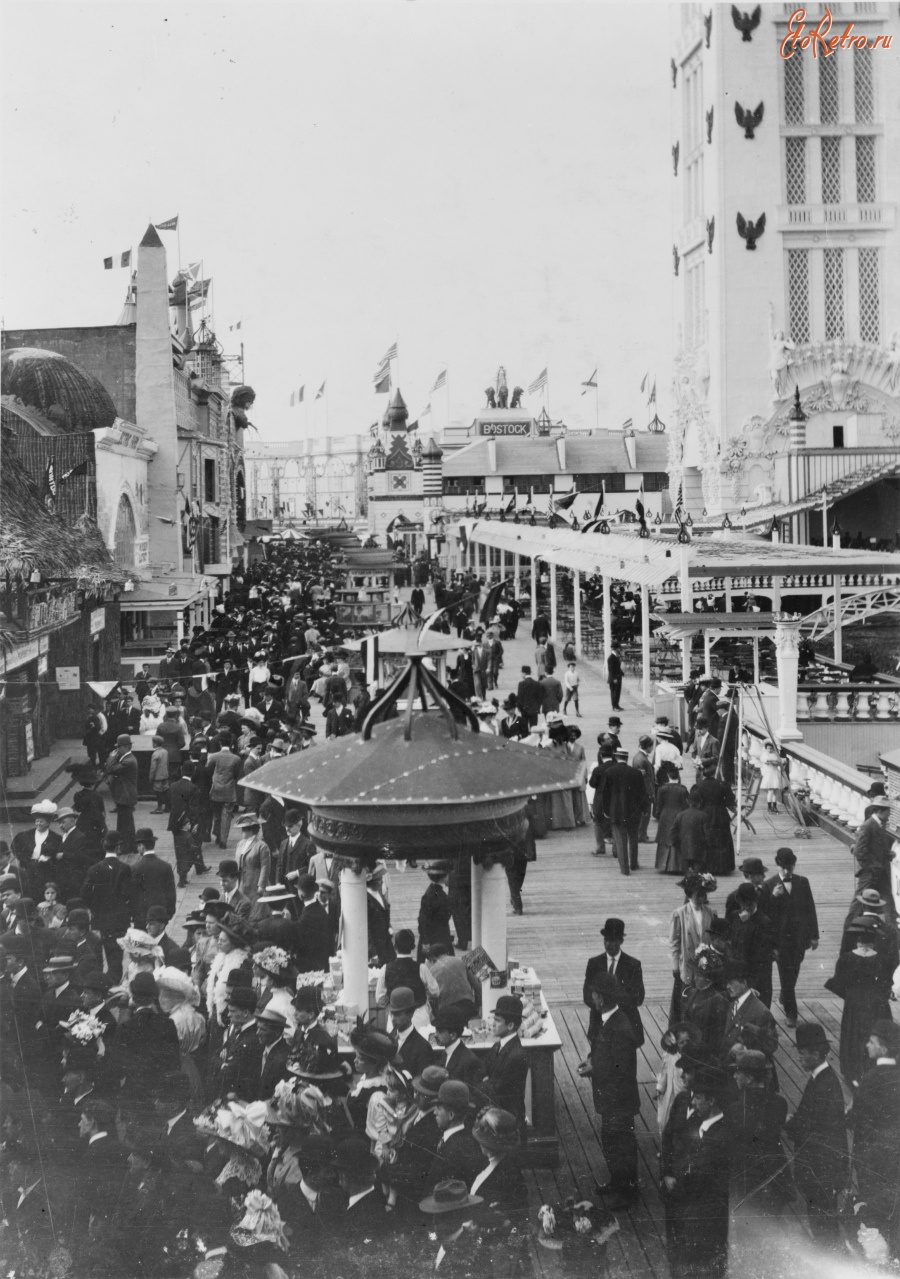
(374, 1044)
(123, 740)
(315, 1149)
(428, 1084)
(95, 980)
(710, 1081)
(227, 868)
(811, 1034)
(449, 1019)
(402, 1000)
(613, 929)
(145, 836)
(888, 1032)
(753, 866)
(510, 1008)
(238, 977)
(785, 857)
(751, 1062)
(454, 1094)
(353, 1155)
(307, 999)
(243, 997)
(79, 918)
(143, 986)
(735, 970)
(449, 1196)
(158, 914)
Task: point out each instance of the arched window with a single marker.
(126, 532)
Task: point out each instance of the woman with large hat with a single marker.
(703, 1005)
(374, 1051)
(235, 943)
(179, 998)
(689, 928)
(695, 1182)
(500, 1183)
(862, 979)
(277, 978)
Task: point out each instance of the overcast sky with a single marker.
(486, 183)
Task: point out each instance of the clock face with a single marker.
(399, 483)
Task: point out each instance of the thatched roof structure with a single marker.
(31, 538)
(72, 399)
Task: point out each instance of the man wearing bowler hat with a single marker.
(364, 1216)
(270, 1028)
(242, 1050)
(628, 974)
(506, 1065)
(788, 901)
(459, 1061)
(414, 1052)
(818, 1130)
(414, 1158)
(228, 875)
(613, 1072)
(152, 880)
(875, 1120)
(457, 1154)
(623, 798)
(122, 771)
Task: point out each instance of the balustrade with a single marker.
(802, 705)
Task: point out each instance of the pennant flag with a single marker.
(425, 411)
(563, 503)
(369, 652)
(644, 381)
(170, 225)
(439, 381)
(293, 399)
(599, 507)
(652, 399)
(321, 390)
(197, 292)
(512, 502)
(628, 424)
(539, 382)
(492, 599)
(590, 382)
(126, 258)
(107, 264)
(383, 380)
(193, 270)
(233, 327)
(80, 469)
(301, 391)
(639, 508)
(390, 354)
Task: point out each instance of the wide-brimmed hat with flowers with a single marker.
(140, 945)
(272, 959)
(238, 930)
(242, 1127)
(261, 1223)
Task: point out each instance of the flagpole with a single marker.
(597, 395)
(178, 235)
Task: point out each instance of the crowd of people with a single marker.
(171, 1107)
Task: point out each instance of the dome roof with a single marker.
(396, 414)
(73, 400)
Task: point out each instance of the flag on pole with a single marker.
(107, 264)
(80, 469)
(563, 503)
(170, 225)
(539, 382)
(383, 380)
(644, 381)
(439, 381)
(628, 424)
(301, 391)
(652, 399)
(590, 383)
(425, 411)
(293, 399)
(233, 327)
(390, 354)
(321, 391)
(126, 258)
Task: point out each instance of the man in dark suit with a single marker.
(457, 1157)
(295, 849)
(122, 771)
(875, 1120)
(145, 1046)
(74, 858)
(623, 799)
(529, 697)
(315, 936)
(614, 675)
(106, 892)
(506, 1066)
(819, 1134)
(270, 1028)
(414, 1052)
(754, 871)
(746, 1010)
(364, 1216)
(872, 849)
(378, 914)
(20, 1005)
(752, 941)
(459, 1061)
(787, 900)
(602, 828)
(152, 880)
(434, 911)
(241, 1053)
(101, 1167)
(613, 1072)
(184, 816)
(628, 974)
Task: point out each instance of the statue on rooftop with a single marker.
(491, 397)
(502, 388)
(516, 401)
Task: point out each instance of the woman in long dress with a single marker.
(562, 807)
(863, 981)
(716, 800)
(579, 797)
(671, 799)
(689, 929)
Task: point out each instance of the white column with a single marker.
(687, 606)
(707, 650)
(756, 660)
(787, 642)
(494, 894)
(475, 876)
(607, 617)
(552, 568)
(533, 589)
(355, 939)
(179, 626)
(645, 643)
(516, 570)
(838, 635)
(576, 603)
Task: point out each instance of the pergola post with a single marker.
(179, 626)
(645, 642)
(576, 604)
(355, 939)
(755, 659)
(533, 588)
(838, 635)
(687, 606)
(607, 617)
(552, 567)
(517, 568)
(494, 892)
(707, 650)
(475, 880)
(787, 645)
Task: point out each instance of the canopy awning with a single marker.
(842, 487)
(164, 594)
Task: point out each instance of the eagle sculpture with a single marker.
(748, 120)
(746, 23)
(751, 231)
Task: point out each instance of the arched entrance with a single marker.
(126, 533)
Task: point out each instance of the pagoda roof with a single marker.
(431, 767)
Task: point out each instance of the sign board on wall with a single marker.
(141, 552)
(520, 430)
(68, 678)
(98, 620)
(43, 664)
(29, 743)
